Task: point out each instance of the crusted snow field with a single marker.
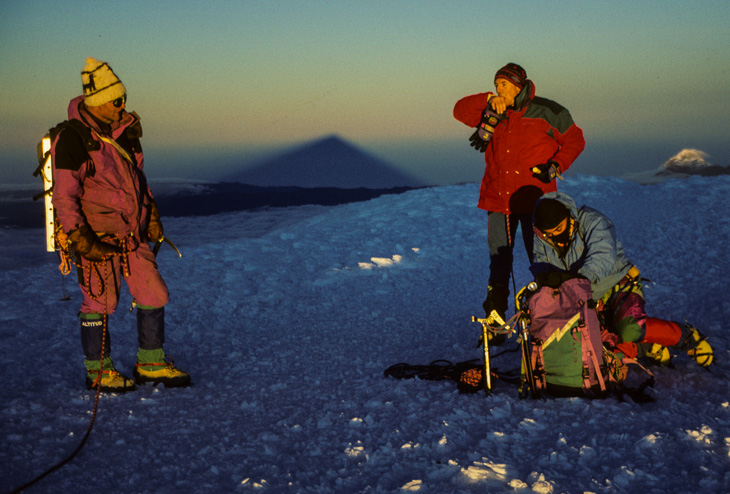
(286, 320)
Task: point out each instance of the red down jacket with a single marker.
(536, 131)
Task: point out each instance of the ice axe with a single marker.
(527, 386)
(528, 378)
(158, 244)
(485, 347)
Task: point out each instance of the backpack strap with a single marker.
(116, 145)
(593, 359)
(84, 133)
(538, 367)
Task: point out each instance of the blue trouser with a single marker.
(501, 243)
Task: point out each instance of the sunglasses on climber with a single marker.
(119, 102)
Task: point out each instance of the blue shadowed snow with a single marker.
(286, 319)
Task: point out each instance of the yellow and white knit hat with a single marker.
(100, 83)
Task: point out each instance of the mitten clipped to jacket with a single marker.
(155, 232)
(87, 243)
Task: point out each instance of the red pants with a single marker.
(629, 323)
(104, 281)
(665, 333)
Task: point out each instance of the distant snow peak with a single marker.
(684, 164)
(687, 159)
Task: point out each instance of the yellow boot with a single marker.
(699, 349)
(165, 373)
(111, 381)
(153, 368)
(659, 355)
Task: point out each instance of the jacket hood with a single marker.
(525, 96)
(74, 111)
(562, 198)
(594, 234)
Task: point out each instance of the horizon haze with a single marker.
(219, 80)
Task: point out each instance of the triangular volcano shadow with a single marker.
(327, 162)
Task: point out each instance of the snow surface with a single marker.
(287, 318)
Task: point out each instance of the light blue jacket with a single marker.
(594, 250)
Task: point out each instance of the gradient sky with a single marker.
(238, 76)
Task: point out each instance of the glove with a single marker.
(89, 246)
(155, 231)
(479, 140)
(554, 279)
(547, 172)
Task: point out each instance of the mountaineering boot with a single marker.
(151, 364)
(680, 336)
(153, 368)
(497, 296)
(495, 308)
(655, 353)
(111, 380)
(695, 345)
(92, 338)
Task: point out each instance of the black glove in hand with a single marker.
(89, 246)
(477, 143)
(479, 140)
(554, 279)
(547, 172)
